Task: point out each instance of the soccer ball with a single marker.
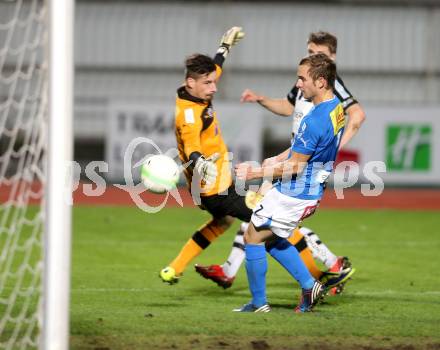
(160, 173)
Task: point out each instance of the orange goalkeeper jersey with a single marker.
(197, 130)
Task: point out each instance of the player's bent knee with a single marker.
(252, 236)
(245, 236)
(225, 222)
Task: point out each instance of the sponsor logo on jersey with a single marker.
(209, 113)
(338, 118)
(189, 116)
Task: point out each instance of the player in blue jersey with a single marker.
(302, 173)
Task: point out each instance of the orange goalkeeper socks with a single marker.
(189, 251)
(200, 240)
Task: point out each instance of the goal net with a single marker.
(25, 113)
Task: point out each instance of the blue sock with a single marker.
(287, 255)
(256, 268)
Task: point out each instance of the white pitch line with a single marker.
(110, 290)
(385, 243)
(395, 292)
(362, 293)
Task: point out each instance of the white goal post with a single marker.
(36, 139)
(58, 211)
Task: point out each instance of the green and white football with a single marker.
(160, 173)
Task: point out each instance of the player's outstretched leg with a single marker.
(224, 275)
(200, 240)
(319, 250)
(322, 253)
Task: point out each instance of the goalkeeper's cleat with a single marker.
(332, 280)
(310, 297)
(252, 308)
(342, 263)
(216, 274)
(168, 275)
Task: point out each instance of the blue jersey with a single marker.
(319, 135)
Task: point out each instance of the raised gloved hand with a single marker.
(232, 37)
(229, 39)
(206, 168)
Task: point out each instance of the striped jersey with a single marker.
(319, 136)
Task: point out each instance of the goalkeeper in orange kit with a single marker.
(200, 142)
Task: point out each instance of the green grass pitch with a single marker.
(118, 301)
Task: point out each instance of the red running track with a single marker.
(391, 198)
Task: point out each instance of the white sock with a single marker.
(319, 250)
(237, 255)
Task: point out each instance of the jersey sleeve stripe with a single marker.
(343, 94)
(291, 96)
(342, 91)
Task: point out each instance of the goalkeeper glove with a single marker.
(229, 39)
(206, 168)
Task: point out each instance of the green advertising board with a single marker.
(408, 147)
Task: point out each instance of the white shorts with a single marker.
(280, 213)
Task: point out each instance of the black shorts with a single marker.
(228, 204)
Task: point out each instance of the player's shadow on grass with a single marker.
(287, 306)
(291, 285)
(291, 306)
(221, 292)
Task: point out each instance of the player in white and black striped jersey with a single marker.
(296, 104)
